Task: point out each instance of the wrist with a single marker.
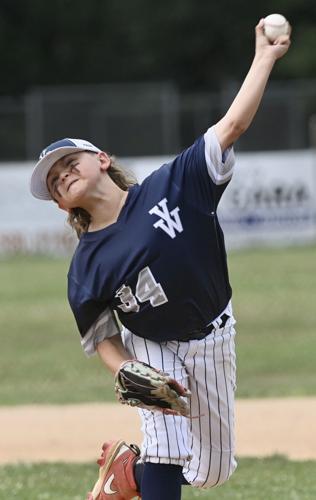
(265, 60)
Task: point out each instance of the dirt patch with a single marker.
(74, 433)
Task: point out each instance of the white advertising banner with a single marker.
(271, 200)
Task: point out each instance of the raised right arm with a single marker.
(246, 103)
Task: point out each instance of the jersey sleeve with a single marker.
(95, 320)
(105, 327)
(203, 172)
(219, 165)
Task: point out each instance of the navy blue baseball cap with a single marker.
(48, 158)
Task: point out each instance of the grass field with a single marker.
(266, 479)
(41, 359)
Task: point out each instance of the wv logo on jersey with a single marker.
(169, 222)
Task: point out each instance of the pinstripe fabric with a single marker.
(204, 445)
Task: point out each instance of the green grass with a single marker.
(274, 302)
(41, 359)
(256, 479)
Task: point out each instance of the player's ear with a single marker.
(105, 160)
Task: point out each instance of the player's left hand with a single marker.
(141, 385)
(276, 49)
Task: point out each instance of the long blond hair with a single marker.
(79, 219)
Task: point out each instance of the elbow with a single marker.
(228, 130)
(235, 129)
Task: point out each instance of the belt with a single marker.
(200, 334)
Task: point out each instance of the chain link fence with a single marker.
(149, 119)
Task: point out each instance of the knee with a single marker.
(216, 474)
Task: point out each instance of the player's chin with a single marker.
(75, 195)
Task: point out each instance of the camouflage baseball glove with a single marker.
(141, 385)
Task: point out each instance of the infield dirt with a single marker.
(75, 433)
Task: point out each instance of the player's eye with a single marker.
(72, 166)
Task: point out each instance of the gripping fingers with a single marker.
(178, 388)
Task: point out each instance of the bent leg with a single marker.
(210, 364)
(165, 436)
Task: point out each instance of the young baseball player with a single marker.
(155, 254)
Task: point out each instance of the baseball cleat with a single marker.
(116, 475)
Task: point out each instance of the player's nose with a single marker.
(63, 175)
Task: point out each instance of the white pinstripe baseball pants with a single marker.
(204, 445)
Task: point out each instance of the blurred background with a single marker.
(143, 79)
(146, 78)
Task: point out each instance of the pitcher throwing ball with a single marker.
(154, 253)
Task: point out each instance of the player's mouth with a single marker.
(71, 183)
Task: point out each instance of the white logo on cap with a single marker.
(43, 153)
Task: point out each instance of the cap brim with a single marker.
(38, 183)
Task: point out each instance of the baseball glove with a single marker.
(141, 385)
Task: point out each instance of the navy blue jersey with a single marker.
(162, 265)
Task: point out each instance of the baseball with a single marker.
(275, 25)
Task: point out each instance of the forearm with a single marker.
(245, 105)
(112, 352)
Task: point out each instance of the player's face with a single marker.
(73, 177)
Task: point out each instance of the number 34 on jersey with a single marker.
(147, 289)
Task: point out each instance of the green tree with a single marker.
(196, 43)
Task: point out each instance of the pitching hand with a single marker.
(276, 49)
